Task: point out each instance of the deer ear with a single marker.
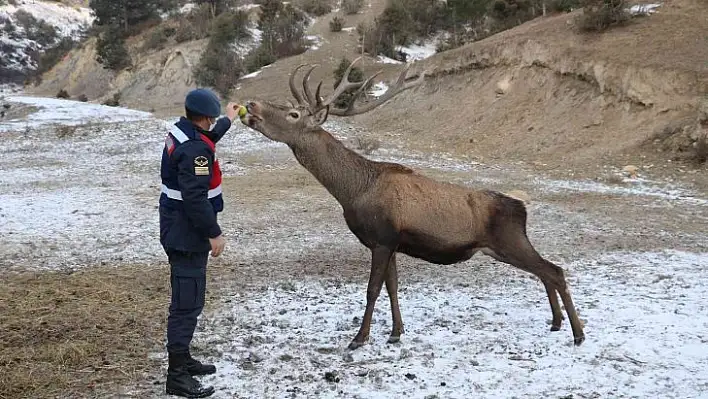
(320, 116)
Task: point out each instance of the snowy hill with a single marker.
(29, 27)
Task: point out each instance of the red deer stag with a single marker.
(390, 208)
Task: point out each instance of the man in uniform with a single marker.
(189, 202)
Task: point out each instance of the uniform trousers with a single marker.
(188, 282)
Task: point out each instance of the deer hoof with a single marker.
(394, 339)
(356, 345)
(579, 340)
(556, 328)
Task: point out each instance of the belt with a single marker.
(177, 195)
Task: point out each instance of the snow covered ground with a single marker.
(55, 111)
(81, 196)
(103, 172)
(483, 336)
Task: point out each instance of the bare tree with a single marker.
(393, 209)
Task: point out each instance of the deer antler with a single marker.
(316, 103)
(293, 89)
(400, 86)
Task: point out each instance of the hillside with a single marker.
(542, 93)
(545, 94)
(29, 28)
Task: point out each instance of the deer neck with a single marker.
(343, 172)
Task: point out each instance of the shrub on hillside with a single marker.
(110, 49)
(131, 16)
(83, 98)
(336, 24)
(259, 58)
(375, 40)
(219, 69)
(356, 75)
(563, 5)
(352, 7)
(8, 27)
(317, 7)
(63, 94)
(283, 28)
(229, 27)
(194, 25)
(598, 15)
(114, 101)
(48, 58)
(400, 23)
(36, 29)
(158, 38)
(220, 66)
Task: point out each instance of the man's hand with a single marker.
(217, 245)
(232, 111)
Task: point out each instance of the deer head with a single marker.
(287, 122)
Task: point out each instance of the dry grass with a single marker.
(74, 335)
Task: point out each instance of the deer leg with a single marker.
(519, 252)
(380, 259)
(392, 288)
(564, 293)
(550, 290)
(555, 307)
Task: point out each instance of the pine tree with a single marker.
(110, 48)
(216, 6)
(124, 13)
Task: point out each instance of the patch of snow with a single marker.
(417, 52)
(69, 21)
(247, 7)
(386, 60)
(252, 74)
(644, 9)
(379, 89)
(315, 41)
(478, 336)
(188, 7)
(106, 173)
(349, 29)
(245, 47)
(639, 188)
(57, 111)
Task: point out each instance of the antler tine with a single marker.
(293, 89)
(343, 85)
(317, 96)
(306, 86)
(359, 92)
(397, 89)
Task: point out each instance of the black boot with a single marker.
(195, 367)
(180, 383)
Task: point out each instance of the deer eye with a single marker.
(294, 115)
